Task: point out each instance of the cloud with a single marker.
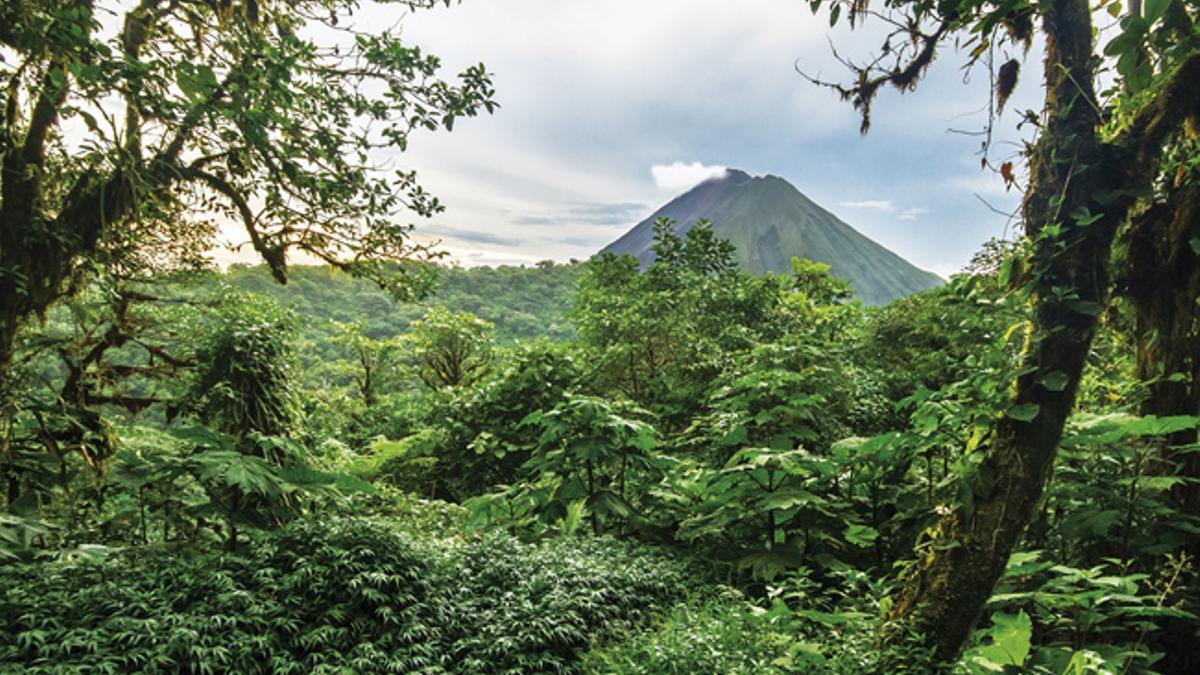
(679, 175)
(621, 213)
(872, 204)
(471, 236)
(582, 242)
(716, 81)
(913, 213)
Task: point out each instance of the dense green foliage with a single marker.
(130, 130)
(327, 596)
(754, 425)
(523, 303)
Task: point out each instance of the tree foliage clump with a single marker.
(244, 380)
(120, 142)
(451, 348)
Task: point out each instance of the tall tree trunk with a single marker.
(1164, 285)
(944, 592)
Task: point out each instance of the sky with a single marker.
(609, 108)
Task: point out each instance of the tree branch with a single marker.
(1175, 103)
(275, 256)
(904, 75)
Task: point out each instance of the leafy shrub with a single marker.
(803, 628)
(721, 635)
(1055, 618)
(329, 596)
(406, 464)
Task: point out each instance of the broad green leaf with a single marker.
(1010, 639)
(860, 535)
(1084, 217)
(1024, 412)
(1152, 425)
(1055, 381)
(1153, 10)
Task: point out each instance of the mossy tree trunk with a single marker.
(1074, 176)
(1164, 285)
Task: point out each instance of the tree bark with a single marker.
(1164, 284)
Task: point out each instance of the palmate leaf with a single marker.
(735, 436)
(767, 565)
(348, 485)
(610, 503)
(1104, 429)
(1011, 636)
(1091, 523)
(1152, 425)
(788, 499)
(861, 535)
(203, 437)
(1154, 483)
(644, 438)
(229, 469)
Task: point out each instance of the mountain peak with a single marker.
(769, 221)
(734, 175)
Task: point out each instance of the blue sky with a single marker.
(611, 107)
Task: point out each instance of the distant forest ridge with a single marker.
(523, 302)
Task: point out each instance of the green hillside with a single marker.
(523, 302)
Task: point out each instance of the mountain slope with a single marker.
(769, 221)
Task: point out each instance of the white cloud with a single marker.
(913, 213)
(873, 204)
(679, 175)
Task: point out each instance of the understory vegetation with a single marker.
(331, 595)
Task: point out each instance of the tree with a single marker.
(372, 359)
(478, 439)
(122, 145)
(587, 455)
(1085, 176)
(451, 348)
(1162, 279)
(112, 346)
(244, 388)
(244, 384)
(659, 336)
